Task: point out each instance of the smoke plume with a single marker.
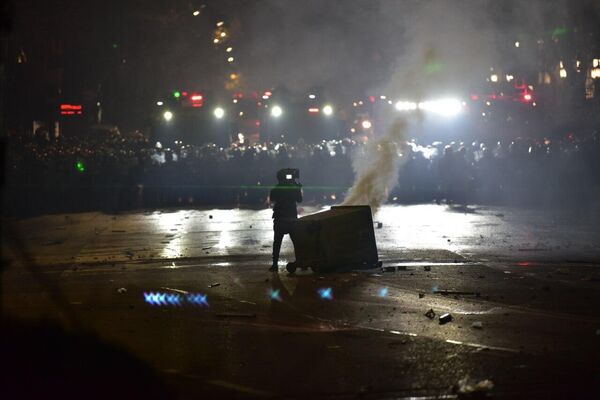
(377, 169)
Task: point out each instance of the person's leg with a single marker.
(277, 239)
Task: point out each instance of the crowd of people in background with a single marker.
(120, 172)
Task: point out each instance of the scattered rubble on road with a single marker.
(430, 314)
(477, 325)
(467, 386)
(445, 318)
(456, 293)
(214, 285)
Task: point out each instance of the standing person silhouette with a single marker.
(284, 196)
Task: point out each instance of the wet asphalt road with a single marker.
(526, 319)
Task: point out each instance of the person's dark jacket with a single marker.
(285, 197)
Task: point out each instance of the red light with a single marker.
(524, 264)
(257, 123)
(372, 99)
(70, 107)
(474, 97)
(313, 110)
(184, 94)
(268, 93)
(196, 100)
(527, 97)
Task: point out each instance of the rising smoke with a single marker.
(405, 49)
(377, 169)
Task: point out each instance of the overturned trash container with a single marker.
(340, 238)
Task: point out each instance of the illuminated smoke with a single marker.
(377, 169)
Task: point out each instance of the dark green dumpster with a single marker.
(341, 238)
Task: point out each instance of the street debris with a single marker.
(214, 284)
(427, 268)
(421, 295)
(175, 290)
(477, 325)
(210, 217)
(379, 225)
(430, 314)
(445, 318)
(456, 293)
(121, 290)
(467, 386)
(388, 269)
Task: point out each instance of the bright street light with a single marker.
(219, 112)
(168, 115)
(327, 110)
(276, 111)
(444, 107)
(366, 124)
(406, 106)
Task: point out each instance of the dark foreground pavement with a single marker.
(523, 296)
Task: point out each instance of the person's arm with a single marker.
(273, 196)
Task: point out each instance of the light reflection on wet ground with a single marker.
(530, 302)
(523, 235)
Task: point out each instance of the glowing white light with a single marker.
(219, 112)
(327, 110)
(276, 111)
(159, 103)
(382, 97)
(596, 62)
(563, 73)
(220, 23)
(241, 137)
(196, 13)
(223, 34)
(168, 115)
(312, 96)
(494, 78)
(230, 59)
(517, 44)
(405, 106)
(509, 78)
(443, 107)
(595, 73)
(366, 124)
(229, 49)
(234, 101)
(215, 41)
